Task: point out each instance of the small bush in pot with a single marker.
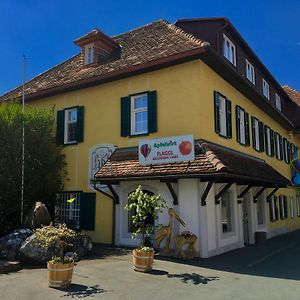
(144, 206)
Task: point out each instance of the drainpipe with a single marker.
(113, 235)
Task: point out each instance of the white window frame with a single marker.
(223, 115)
(292, 206)
(282, 208)
(242, 125)
(67, 122)
(135, 111)
(278, 148)
(266, 89)
(277, 102)
(285, 150)
(256, 128)
(260, 210)
(65, 211)
(268, 141)
(89, 54)
(250, 72)
(229, 52)
(273, 208)
(231, 221)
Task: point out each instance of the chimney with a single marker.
(97, 48)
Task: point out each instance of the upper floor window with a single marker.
(223, 122)
(257, 134)
(70, 125)
(242, 126)
(266, 89)
(89, 54)
(138, 114)
(250, 73)
(292, 206)
(278, 146)
(269, 140)
(286, 150)
(229, 51)
(277, 102)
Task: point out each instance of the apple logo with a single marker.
(185, 147)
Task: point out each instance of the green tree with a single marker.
(44, 162)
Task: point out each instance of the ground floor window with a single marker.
(273, 207)
(283, 207)
(292, 206)
(298, 205)
(67, 209)
(260, 211)
(131, 213)
(227, 212)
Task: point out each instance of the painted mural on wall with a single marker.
(98, 155)
(295, 162)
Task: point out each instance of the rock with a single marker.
(11, 243)
(32, 251)
(82, 244)
(39, 216)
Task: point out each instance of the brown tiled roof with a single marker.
(148, 44)
(293, 94)
(212, 161)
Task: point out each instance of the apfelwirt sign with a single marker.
(165, 150)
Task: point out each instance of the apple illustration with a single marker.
(185, 147)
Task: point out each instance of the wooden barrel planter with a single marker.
(60, 275)
(142, 261)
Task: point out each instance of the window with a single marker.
(277, 102)
(69, 128)
(298, 205)
(278, 146)
(283, 207)
(250, 73)
(227, 212)
(223, 123)
(260, 211)
(242, 126)
(266, 89)
(139, 114)
(68, 212)
(89, 54)
(229, 50)
(269, 140)
(273, 208)
(257, 134)
(286, 151)
(292, 206)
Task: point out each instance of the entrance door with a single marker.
(245, 221)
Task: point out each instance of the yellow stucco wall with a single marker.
(185, 106)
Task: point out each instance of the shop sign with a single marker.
(166, 150)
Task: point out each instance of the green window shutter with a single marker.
(253, 132)
(285, 204)
(288, 152)
(60, 127)
(238, 120)
(125, 116)
(247, 129)
(152, 112)
(217, 112)
(80, 124)
(228, 119)
(87, 211)
(276, 207)
(281, 208)
(280, 146)
(261, 136)
(275, 144)
(284, 142)
(266, 137)
(272, 142)
(271, 210)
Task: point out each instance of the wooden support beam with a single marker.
(224, 189)
(272, 193)
(245, 191)
(207, 189)
(174, 195)
(258, 194)
(116, 196)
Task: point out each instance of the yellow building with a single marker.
(200, 78)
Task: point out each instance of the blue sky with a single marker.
(44, 30)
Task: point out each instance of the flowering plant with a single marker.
(59, 260)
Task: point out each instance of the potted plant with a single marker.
(60, 267)
(144, 207)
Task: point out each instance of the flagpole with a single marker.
(23, 136)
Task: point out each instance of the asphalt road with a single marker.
(270, 271)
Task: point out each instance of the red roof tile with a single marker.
(293, 94)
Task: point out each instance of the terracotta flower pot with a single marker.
(60, 275)
(142, 261)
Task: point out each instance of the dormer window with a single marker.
(250, 73)
(89, 54)
(277, 102)
(229, 50)
(266, 89)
